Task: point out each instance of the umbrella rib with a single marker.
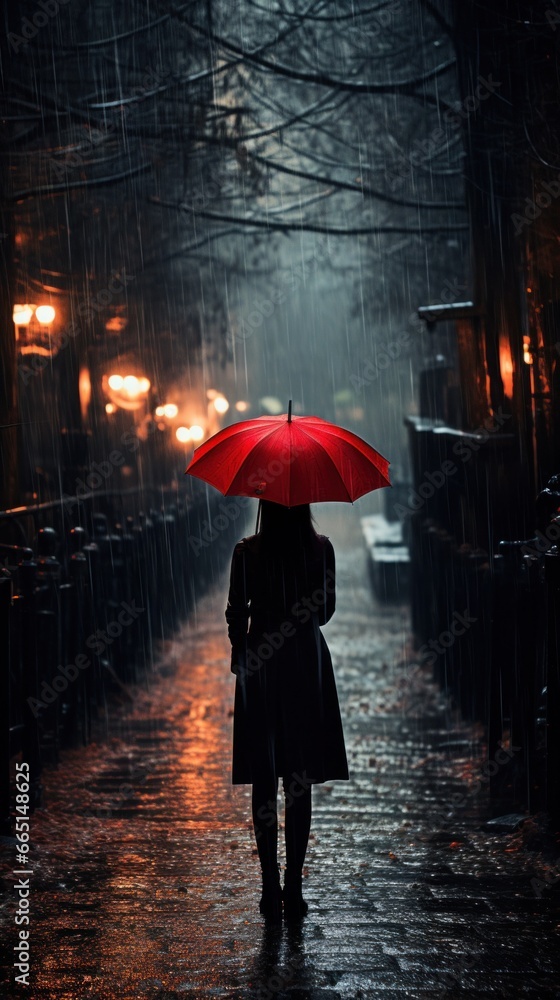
(249, 457)
(353, 441)
(331, 460)
(218, 445)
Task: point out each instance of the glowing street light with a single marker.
(22, 315)
(221, 404)
(196, 432)
(131, 385)
(183, 434)
(129, 392)
(45, 315)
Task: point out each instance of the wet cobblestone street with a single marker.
(145, 875)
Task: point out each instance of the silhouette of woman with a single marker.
(286, 713)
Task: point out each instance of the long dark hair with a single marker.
(285, 529)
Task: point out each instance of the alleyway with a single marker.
(145, 879)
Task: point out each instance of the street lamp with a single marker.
(45, 315)
(32, 334)
(129, 392)
(221, 404)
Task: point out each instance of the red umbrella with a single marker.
(290, 460)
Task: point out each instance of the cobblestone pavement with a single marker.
(145, 876)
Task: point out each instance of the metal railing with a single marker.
(86, 591)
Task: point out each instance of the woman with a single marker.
(286, 715)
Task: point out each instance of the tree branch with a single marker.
(310, 227)
(320, 79)
(98, 182)
(363, 189)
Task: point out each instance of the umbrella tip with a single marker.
(290, 411)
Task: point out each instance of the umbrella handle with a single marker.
(290, 411)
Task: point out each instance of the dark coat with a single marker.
(286, 715)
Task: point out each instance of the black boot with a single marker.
(271, 900)
(295, 907)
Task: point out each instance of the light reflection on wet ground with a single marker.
(146, 879)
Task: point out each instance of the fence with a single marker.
(487, 613)
(86, 590)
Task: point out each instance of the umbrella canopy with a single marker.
(289, 460)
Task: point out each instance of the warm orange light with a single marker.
(127, 391)
(221, 404)
(45, 315)
(84, 389)
(160, 410)
(22, 314)
(242, 406)
(506, 368)
(116, 324)
(170, 410)
(110, 408)
(196, 432)
(131, 385)
(183, 434)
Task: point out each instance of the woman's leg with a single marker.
(265, 823)
(297, 827)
